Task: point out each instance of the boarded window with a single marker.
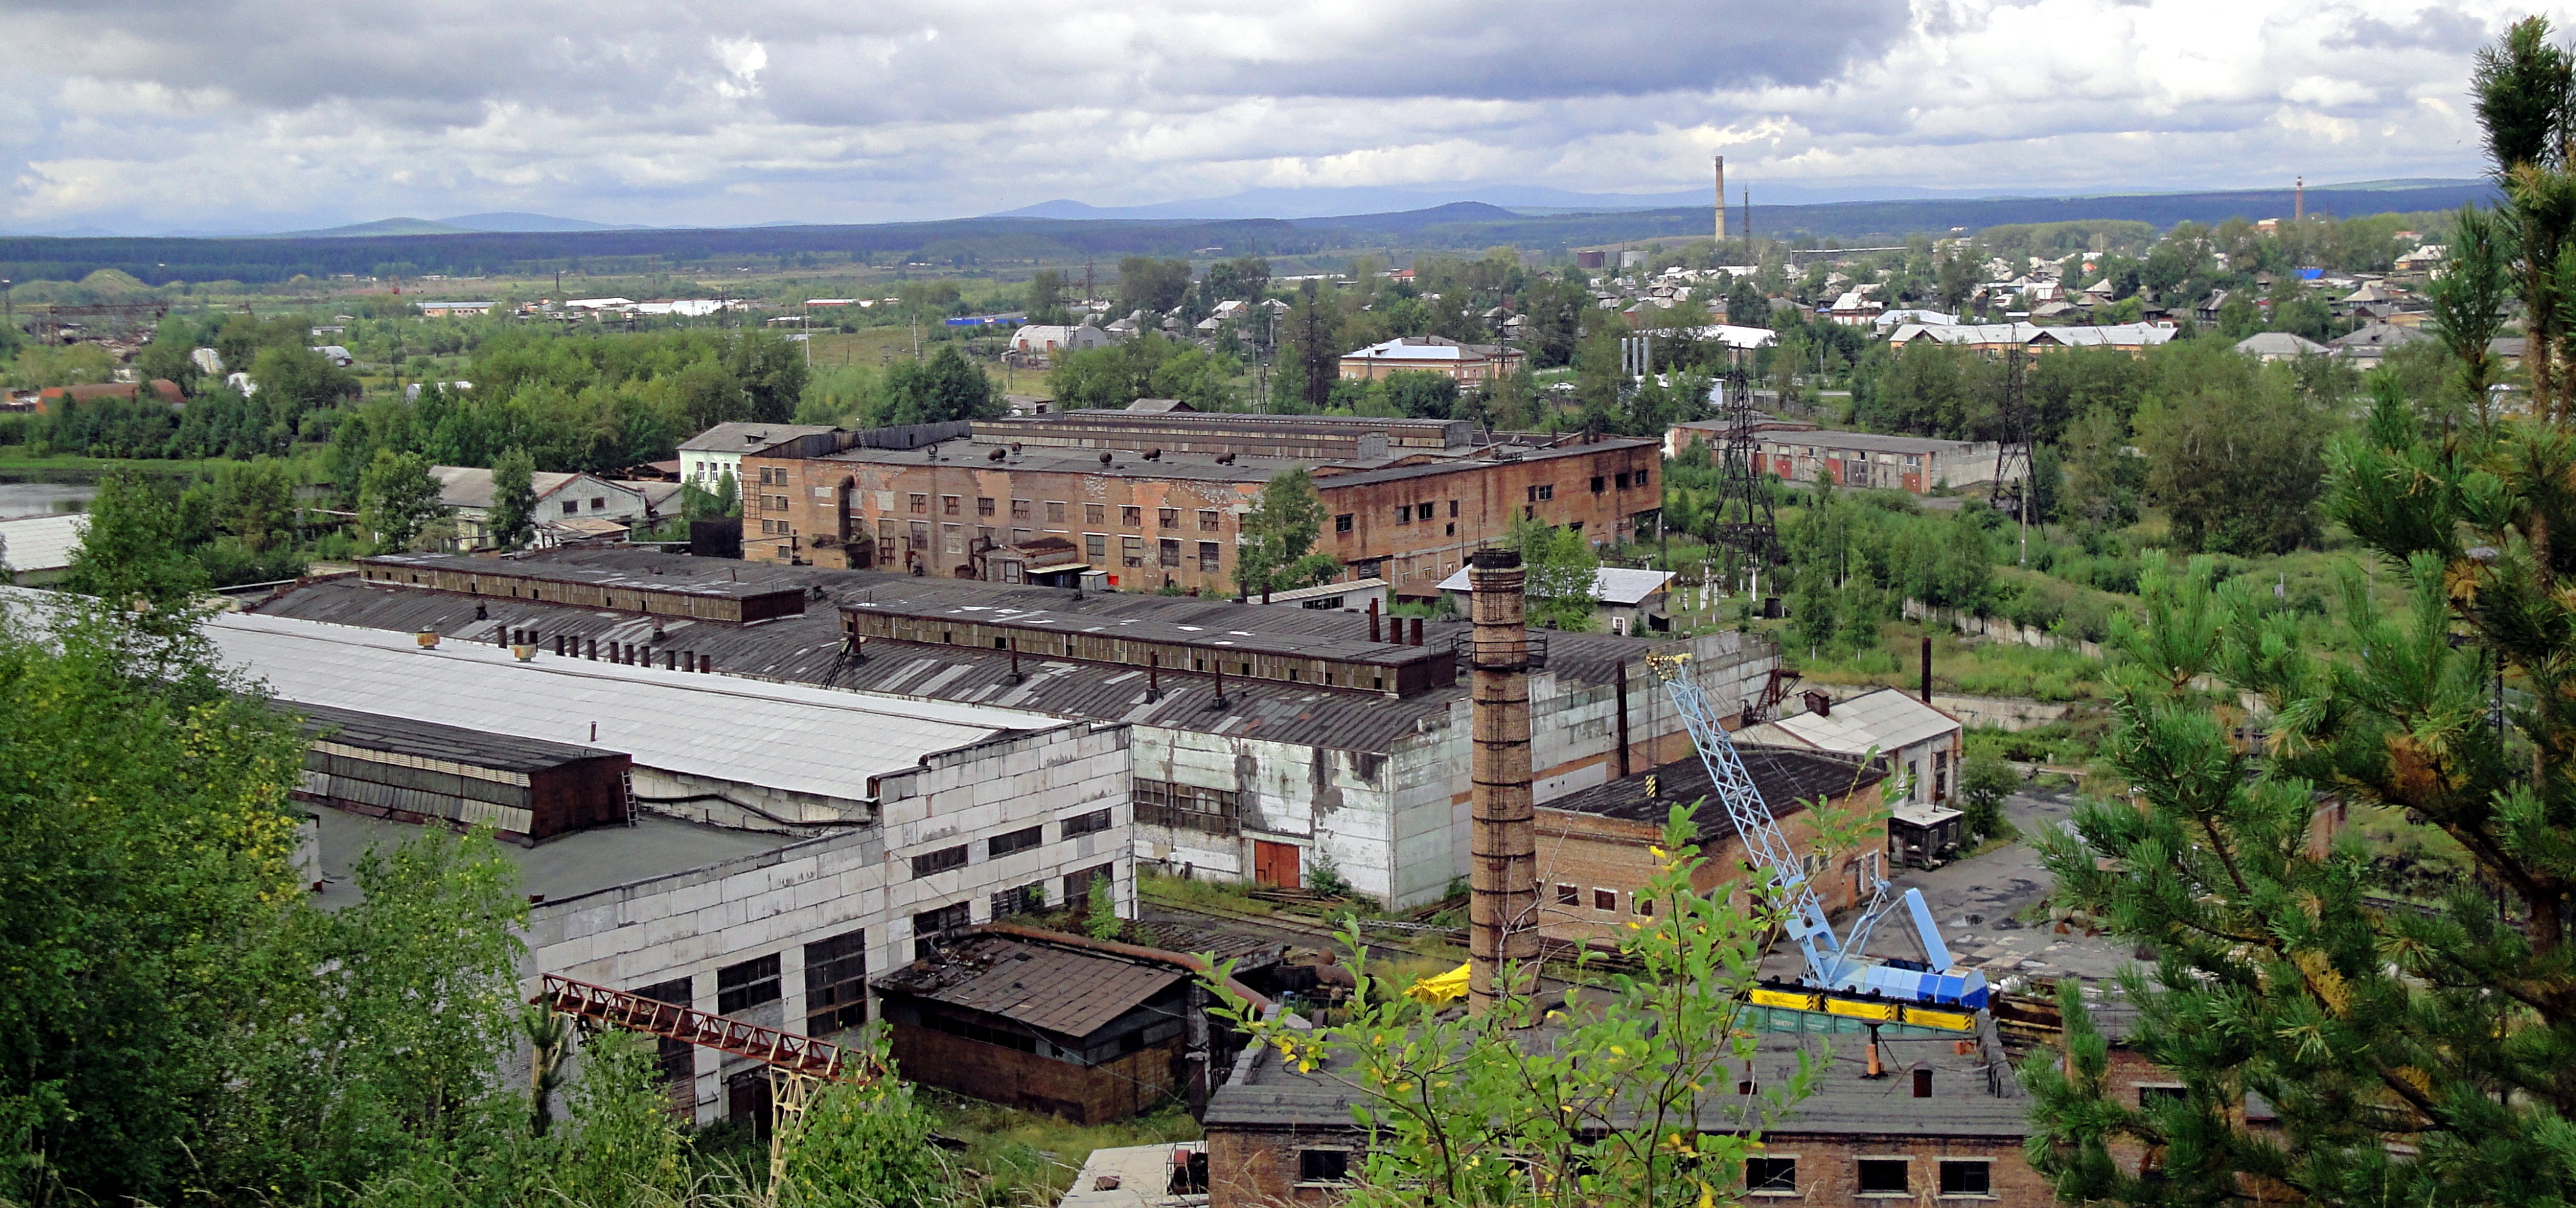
(1211, 521)
(1094, 513)
(746, 985)
(1211, 557)
(1169, 550)
(1131, 517)
(1167, 518)
(1131, 551)
(1055, 511)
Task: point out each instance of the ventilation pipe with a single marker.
(1927, 669)
(1503, 880)
(1373, 619)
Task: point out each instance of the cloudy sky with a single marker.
(149, 115)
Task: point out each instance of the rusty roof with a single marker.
(1052, 989)
(1787, 777)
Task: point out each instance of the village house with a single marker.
(1470, 364)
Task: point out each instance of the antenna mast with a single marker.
(2012, 451)
(1744, 521)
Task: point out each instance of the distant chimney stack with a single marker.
(2299, 199)
(1721, 201)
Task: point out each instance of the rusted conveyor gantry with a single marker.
(804, 1056)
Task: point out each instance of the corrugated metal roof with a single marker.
(1051, 989)
(783, 736)
(41, 543)
(456, 744)
(1610, 584)
(807, 649)
(1886, 719)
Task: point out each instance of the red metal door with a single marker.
(1274, 863)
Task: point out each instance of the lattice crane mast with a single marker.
(1832, 963)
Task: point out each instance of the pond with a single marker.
(44, 498)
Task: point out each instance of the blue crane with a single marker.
(1833, 962)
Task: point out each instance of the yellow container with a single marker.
(1951, 1020)
(1884, 1011)
(1795, 1000)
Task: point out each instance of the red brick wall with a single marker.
(1133, 1083)
(1591, 852)
(1486, 498)
(783, 520)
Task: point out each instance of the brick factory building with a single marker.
(1264, 743)
(1469, 364)
(1155, 496)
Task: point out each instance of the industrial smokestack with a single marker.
(1721, 201)
(2299, 199)
(1503, 879)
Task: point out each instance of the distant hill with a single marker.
(512, 221)
(423, 248)
(369, 230)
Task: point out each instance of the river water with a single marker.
(44, 498)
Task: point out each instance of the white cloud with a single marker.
(209, 113)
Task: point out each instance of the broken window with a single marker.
(836, 983)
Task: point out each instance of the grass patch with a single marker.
(1215, 895)
(1031, 1157)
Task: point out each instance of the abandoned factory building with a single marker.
(1155, 498)
(1263, 743)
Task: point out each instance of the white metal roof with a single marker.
(1610, 584)
(40, 543)
(1887, 720)
(782, 736)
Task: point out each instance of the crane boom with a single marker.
(1832, 964)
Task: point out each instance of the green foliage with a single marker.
(865, 1147)
(1152, 285)
(131, 558)
(44, 365)
(2467, 301)
(1559, 567)
(397, 500)
(512, 521)
(1101, 921)
(1148, 366)
(1985, 779)
(1278, 552)
(1311, 346)
(1604, 1105)
(939, 390)
(2234, 453)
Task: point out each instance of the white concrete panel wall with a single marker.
(693, 924)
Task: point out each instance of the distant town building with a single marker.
(563, 501)
(709, 456)
(1470, 364)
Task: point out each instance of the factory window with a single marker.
(939, 861)
(1426, 511)
(1529, 511)
(1605, 899)
(748, 984)
(1211, 520)
(885, 536)
(931, 923)
(1623, 481)
(920, 535)
(1342, 523)
(1323, 1165)
(1131, 517)
(1077, 886)
(1169, 518)
(983, 506)
(1597, 483)
(1645, 906)
(1025, 899)
(948, 504)
(572, 506)
(1771, 1176)
(1055, 511)
(1131, 551)
(953, 538)
(1883, 1176)
(1095, 546)
(1966, 1176)
(1020, 509)
(1093, 513)
(1019, 840)
(1546, 491)
(598, 503)
(1169, 550)
(836, 983)
(1187, 807)
(1568, 895)
(1021, 536)
(1404, 513)
(1086, 824)
(920, 504)
(1211, 556)
(1453, 509)
(677, 1058)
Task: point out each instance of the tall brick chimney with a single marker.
(1721, 201)
(1502, 910)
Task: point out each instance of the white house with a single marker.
(710, 456)
(1045, 339)
(466, 492)
(1919, 742)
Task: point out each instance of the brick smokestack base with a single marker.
(1503, 906)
